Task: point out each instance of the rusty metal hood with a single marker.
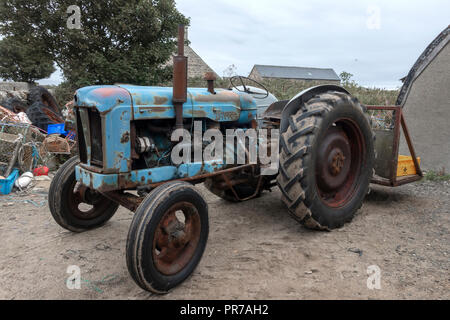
(162, 96)
(103, 98)
(156, 102)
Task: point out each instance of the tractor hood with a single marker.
(103, 98)
(156, 102)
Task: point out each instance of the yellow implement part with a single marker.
(406, 166)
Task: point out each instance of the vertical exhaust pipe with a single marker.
(180, 65)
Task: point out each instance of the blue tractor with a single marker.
(325, 155)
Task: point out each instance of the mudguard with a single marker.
(277, 110)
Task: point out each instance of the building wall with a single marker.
(196, 66)
(427, 114)
(254, 74)
(15, 86)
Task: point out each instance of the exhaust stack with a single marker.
(180, 64)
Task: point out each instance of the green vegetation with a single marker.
(118, 41)
(286, 89)
(282, 89)
(23, 58)
(436, 176)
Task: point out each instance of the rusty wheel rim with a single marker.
(80, 197)
(175, 241)
(338, 165)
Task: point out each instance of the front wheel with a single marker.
(167, 237)
(326, 161)
(76, 207)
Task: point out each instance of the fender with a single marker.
(296, 102)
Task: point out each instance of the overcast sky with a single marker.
(377, 41)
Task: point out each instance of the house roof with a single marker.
(430, 53)
(197, 67)
(296, 73)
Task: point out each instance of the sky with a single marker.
(377, 41)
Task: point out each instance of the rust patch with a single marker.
(125, 137)
(222, 96)
(197, 113)
(118, 159)
(155, 109)
(160, 100)
(109, 91)
(104, 113)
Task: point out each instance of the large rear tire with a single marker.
(74, 207)
(326, 162)
(167, 237)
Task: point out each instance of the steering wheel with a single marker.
(248, 90)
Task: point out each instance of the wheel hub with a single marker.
(334, 160)
(81, 194)
(175, 241)
(337, 162)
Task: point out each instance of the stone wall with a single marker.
(15, 86)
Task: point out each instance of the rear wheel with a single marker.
(76, 207)
(326, 161)
(167, 237)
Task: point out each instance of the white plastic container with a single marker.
(24, 180)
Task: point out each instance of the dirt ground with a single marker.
(255, 251)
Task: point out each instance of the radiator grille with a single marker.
(96, 142)
(96, 138)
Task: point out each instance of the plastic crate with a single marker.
(7, 184)
(406, 166)
(56, 128)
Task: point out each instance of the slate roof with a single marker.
(296, 73)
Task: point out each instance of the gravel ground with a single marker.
(255, 251)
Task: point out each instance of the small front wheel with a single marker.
(167, 237)
(74, 206)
